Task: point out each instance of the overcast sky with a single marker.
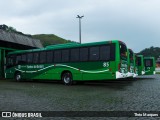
(135, 22)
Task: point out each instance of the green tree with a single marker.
(11, 29)
(152, 51)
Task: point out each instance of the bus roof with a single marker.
(130, 50)
(67, 45)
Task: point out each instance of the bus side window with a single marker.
(94, 53)
(105, 53)
(24, 59)
(42, 57)
(18, 59)
(50, 56)
(83, 54)
(36, 58)
(65, 55)
(29, 58)
(57, 56)
(74, 55)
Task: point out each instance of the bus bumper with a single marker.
(119, 75)
(129, 74)
(135, 75)
(143, 72)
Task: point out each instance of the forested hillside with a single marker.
(50, 39)
(152, 51)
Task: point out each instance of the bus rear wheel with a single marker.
(67, 78)
(18, 77)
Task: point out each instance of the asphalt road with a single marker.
(140, 94)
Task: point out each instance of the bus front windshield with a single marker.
(148, 62)
(123, 51)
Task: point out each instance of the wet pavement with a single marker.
(140, 94)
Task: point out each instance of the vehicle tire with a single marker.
(18, 77)
(67, 78)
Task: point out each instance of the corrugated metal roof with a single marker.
(19, 39)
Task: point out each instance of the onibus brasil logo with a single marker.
(21, 115)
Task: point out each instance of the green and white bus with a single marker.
(150, 65)
(131, 66)
(70, 62)
(141, 68)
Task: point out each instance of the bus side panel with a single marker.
(42, 72)
(100, 71)
(55, 72)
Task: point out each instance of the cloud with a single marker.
(136, 22)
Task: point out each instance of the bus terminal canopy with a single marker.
(17, 41)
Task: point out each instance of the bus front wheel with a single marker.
(67, 78)
(18, 76)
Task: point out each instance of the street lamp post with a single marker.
(80, 17)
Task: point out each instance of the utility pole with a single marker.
(80, 17)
